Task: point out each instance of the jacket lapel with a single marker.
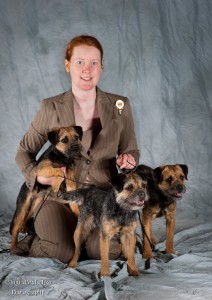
(65, 109)
(105, 108)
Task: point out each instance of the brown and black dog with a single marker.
(64, 149)
(166, 185)
(114, 212)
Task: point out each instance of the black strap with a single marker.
(144, 231)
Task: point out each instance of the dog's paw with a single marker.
(72, 264)
(103, 274)
(153, 240)
(169, 251)
(132, 272)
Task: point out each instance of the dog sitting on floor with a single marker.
(165, 185)
(65, 147)
(114, 212)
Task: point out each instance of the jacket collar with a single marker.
(105, 107)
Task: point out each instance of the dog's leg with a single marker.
(170, 215)
(78, 234)
(44, 169)
(104, 252)
(74, 208)
(58, 179)
(20, 221)
(109, 229)
(128, 242)
(146, 230)
(14, 238)
(71, 186)
(152, 238)
(70, 179)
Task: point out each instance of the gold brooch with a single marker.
(120, 105)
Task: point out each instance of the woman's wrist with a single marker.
(45, 180)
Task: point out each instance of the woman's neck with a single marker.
(84, 98)
(85, 109)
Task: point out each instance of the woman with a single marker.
(109, 144)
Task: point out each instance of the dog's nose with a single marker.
(142, 195)
(179, 188)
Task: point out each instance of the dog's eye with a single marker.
(64, 140)
(182, 177)
(169, 180)
(76, 137)
(129, 187)
(143, 185)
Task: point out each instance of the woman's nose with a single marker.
(87, 67)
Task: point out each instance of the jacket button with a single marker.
(88, 162)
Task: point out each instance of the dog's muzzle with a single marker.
(74, 149)
(180, 189)
(139, 200)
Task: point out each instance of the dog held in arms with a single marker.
(114, 212)
(64, 149)
(165, 185)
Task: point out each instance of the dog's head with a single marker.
(130, 191)
(171, 179)
(67, 140)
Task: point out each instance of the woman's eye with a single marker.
(80, 62)
(94, 63)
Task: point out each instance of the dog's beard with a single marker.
(131, 202)
(175, 193)
(73, 151)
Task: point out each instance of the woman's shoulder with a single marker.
(114, 97)
(57, 98)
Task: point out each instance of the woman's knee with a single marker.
(54, 226)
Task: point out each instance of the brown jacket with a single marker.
(116, 137)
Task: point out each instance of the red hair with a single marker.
(82, 40)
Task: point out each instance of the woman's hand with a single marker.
(49, 180)
(126, 161)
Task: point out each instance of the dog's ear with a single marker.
(118, 182)
(144, 172)
(79, 131)
(185, 170)
(53, 136)
(157, 174)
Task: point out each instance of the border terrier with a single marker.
(165, 185)
(64, 149)
(113, 212)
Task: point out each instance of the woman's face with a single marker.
(85, 67)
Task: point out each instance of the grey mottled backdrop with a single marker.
(157, 52)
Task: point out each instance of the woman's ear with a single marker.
(67, 65)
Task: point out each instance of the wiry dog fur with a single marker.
(65, 147)
(113, 212)
(166, 185)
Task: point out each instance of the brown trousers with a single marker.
(54, 227)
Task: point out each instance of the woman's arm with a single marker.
(128, 156)
(30, 145)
